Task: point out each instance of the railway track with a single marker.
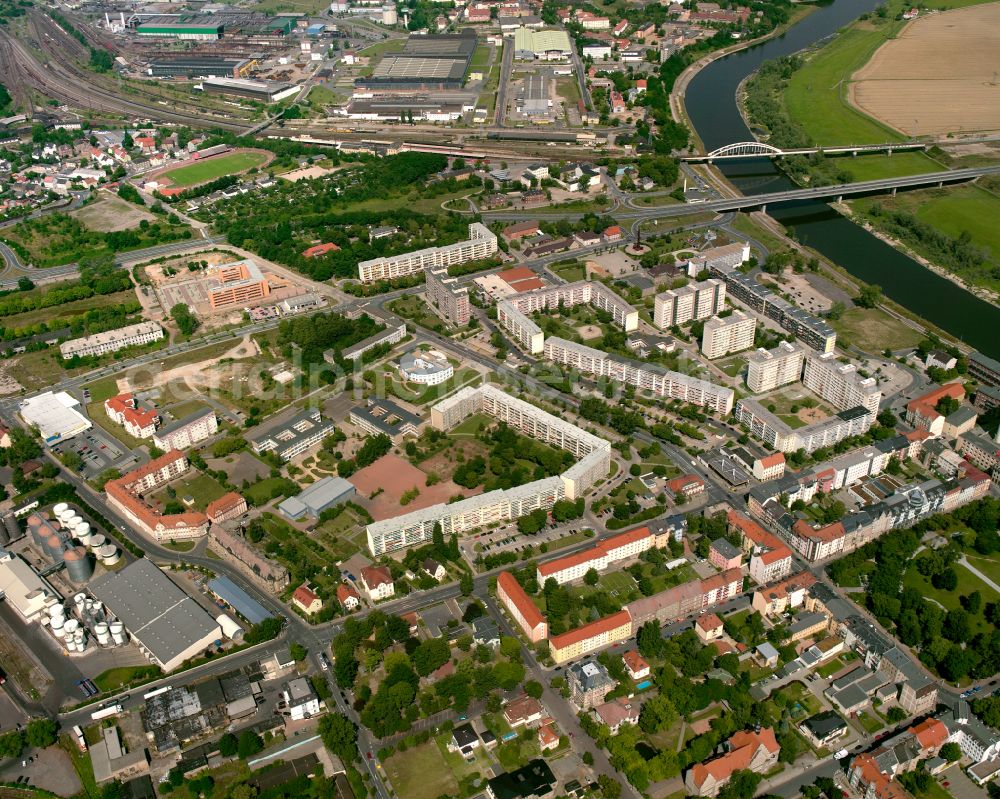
(63, 80)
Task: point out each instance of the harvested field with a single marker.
(939, 75)
(395, 476)
(111, 213)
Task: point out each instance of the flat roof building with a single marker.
(482, 243)
(840, 383)
(379, 416)
(55, 416)
(769, 369)
(112, 340)
(426, 62)
(544, 44)
(261, 90)
(723, 335)
(294, 435)
(316, 498)
(168, 625)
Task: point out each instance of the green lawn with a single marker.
(421, 773)
(954, 211)
(202, 488)
(259, 491)
(828, 669)
(873, 330)
(967, 583)
(114, 679)
(381, 48)
(869, 722)
(988, 566)
(217, 167)
(471, 425)
(103, 389)
(480, 59)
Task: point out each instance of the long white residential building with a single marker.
(769, 369)
(779, 434)
(513, 312)
(840, 384)
(645, 376)
(723, 335)
(694, 301)
(482, 243)
(112, 340)
(413, 529)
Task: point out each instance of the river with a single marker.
(711, 105)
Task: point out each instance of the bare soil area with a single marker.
(111, 213)
(939, 76)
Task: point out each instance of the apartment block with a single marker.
(451, 299)
(589, 638)
(112, 340)
(984, 369)
(482, 243)
(594, 462)
(644, 376)
(769, 369)
(600, 557)
(519, 605)
(779, 434)
(723, 335)
(187, 432)
(694, 301)
(840, 384)
(138, 422)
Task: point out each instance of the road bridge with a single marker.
(756, 149)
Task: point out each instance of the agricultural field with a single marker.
(216, 167)
(936, 77)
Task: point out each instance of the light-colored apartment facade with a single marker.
(694, 301)
(840, 384)
(187, 432)
(770, 369)
(594, 454)
(723, 335)
(644, 376)
(482, 243)
(112, 340)
(451, 299)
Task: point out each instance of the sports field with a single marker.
(217, 167)
(938, 76)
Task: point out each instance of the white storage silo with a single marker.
(109, 554)
(97, 541)
(60, 508)
(102, 633)
(56, 623)
(70, 627)
(230, 628)
(80, 602)
(118, 633)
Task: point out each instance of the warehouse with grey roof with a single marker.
(168, 626)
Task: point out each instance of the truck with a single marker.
(106, 712)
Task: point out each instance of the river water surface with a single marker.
(712, 107)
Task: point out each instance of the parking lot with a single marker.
(97, 450)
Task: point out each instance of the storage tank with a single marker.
(35, 528)
(118, 633)
(79, 569)
(109, 554)
(71, 521)
(57, 623)
(389, 15)
(60, 508)
(230, 628)
(53, 547)
(11, 530)
(57, 610)
(82, 529)
(102, 634)
(80, 639)
(97, 541)
(70, 626)
(80, 601)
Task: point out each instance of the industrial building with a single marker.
(547, 45)
(168, 625)
(200, 67)
(318, 497)
(238, 599)
(394, 108)
(482, 243)
(55, 416)
(22, 588)
(426, 62)
(188, 27)
(260, 90)
(112, 340)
